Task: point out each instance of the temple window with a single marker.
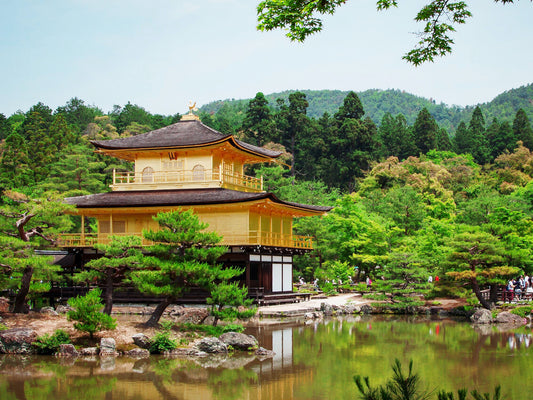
(148, 175)
(198, 173)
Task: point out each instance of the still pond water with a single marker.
(316, 361)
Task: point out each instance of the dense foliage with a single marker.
(410, 198)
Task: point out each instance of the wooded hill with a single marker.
(377, 103)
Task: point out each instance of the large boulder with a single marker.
(509, 318)
(367, 309)
(192, 316)
(89, 351)
(67, 350)
(49, 311)
(481, 316)
(141, 340)
(212, 345)
(326, 308)
(17, 341)
(239, 341)
(137, 353)
(108, 347)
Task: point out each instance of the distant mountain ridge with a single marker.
(377, 102)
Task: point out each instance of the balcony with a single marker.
(253, 238)
(185, 179)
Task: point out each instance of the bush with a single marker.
(49, 344)
(210, 330)
(162, 342)
(524, 311)
(87, 313)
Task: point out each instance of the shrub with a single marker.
(524, 311)
(162, 342)
(210, 330)
(87, 313)
(49, 344)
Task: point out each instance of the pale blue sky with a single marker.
(160, 54)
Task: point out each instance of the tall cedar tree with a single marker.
(293, 124)
(121, 256)
(257, 123)
(480, 150)
(522, 129)
(500, 138)
(183, 257)
(425, 131)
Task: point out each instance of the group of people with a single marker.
(520, 285)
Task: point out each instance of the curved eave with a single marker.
(188, 198)
(129, 154)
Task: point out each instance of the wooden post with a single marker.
(82, 238)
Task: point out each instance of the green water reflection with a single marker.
(314, 361)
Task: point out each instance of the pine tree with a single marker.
(477, 259)
(121, 256)
(184, 257)
(14, 167)
(77, 168)
(33, 222)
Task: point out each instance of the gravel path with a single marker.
(312, 305)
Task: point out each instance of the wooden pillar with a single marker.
(82, 238)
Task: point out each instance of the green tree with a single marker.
(78, 114)
(425, 131)
(477, 259)
(121, 256)
(258, 122)
(298, 17)
(23, 271)
(5, 127)
(480, 149)
(443, 140)
(124, 116)
(86, 311)
(500, 138)
(229, 301)
(184, 257)
(14, 167)
(28, 220)
(297, 124)
(77, 168)
(522, 129)
(351, 108)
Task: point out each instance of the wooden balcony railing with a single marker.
(252, 238)
(184, 178)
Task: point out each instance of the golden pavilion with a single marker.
(191, 166)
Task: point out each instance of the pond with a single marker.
(313, 361)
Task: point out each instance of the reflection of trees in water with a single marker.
(229, 384)
(447, 353)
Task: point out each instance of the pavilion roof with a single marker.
(181, 197)
(183, 134)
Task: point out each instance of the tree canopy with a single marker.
(438, 17)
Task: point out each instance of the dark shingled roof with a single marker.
(181, 134)
(178, 197)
